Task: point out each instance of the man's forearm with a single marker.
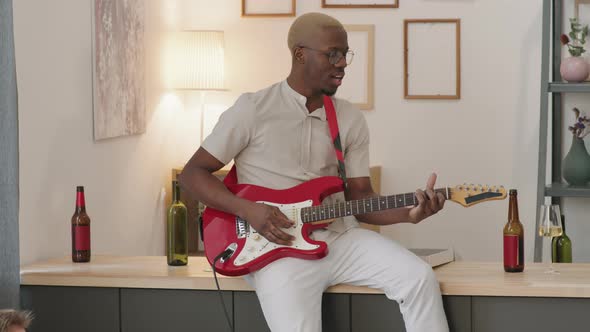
(209, 190)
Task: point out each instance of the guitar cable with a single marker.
(223, 256)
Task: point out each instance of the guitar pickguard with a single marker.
(256, 245)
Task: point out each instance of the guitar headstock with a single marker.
(470, 194)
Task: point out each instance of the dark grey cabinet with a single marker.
(248, 313)
(72, 309)
(157, 310)
(249, 316)
(517, 314)
(376, 313)
(88, 309)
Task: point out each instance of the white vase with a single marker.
(574, 69)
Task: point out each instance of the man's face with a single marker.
(320, 74)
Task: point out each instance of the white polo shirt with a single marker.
(276, 143)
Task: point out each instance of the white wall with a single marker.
(489, 136)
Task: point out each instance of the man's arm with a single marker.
(197, 179)
(429, 203)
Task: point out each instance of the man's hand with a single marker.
(268, 221)
(429, 203)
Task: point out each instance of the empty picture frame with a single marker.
(357, 86)
(432, 59)
(581, 11)
(268, 8)
(360, 4)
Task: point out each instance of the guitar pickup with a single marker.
(242, 228)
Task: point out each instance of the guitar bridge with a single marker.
(242, 228)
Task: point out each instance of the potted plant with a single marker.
(576, 164)
(574, 68)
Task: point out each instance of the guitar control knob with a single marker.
(256, 237)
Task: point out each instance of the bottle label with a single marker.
(81, 237)
(513, 250)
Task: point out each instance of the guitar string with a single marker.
(338, 207)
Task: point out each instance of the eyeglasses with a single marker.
(334, 56)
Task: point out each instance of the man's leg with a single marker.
(290, 294)
(364, 258)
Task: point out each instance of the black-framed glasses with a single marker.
(334, 56)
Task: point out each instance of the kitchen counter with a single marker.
(456, 278)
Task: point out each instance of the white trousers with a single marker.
(290, 290)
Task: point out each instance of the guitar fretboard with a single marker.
(361, 206)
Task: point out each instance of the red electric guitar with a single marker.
(248, 251)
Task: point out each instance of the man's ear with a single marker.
(299, 55)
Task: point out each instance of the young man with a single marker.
(14, 320)
(279, 138)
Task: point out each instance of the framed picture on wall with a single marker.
(581, 11)
(360, 4)
(432, 59)
(357, 86)
(268, 8)
(118, 79)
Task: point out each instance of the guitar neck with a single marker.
(361, 206)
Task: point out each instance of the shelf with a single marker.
(569, 87)
(565, 190)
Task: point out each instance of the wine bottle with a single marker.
(80, 229)
(561, 247)
(177, 230)
(513, 237)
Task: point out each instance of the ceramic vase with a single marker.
(576, 164)
(574, 69)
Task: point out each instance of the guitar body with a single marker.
(222, 230)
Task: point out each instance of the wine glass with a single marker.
(550, 225)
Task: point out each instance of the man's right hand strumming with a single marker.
(269, 222)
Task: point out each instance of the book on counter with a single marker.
(435, 257)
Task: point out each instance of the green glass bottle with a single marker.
(561, 247)
(177, 230)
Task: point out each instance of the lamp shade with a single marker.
(198, 60)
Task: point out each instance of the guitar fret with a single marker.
(362, 206)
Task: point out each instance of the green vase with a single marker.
(576, 164)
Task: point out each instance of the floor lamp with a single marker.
(199, 64)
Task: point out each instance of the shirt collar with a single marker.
(319, 113)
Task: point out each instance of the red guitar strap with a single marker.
(335, 134)
(232, 177)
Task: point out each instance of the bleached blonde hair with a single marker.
(9, 317)
(308, 24)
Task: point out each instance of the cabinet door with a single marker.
(157, 310)
(518, 314)
(336, 313)
(458, 311)
(377, 313)
(72, 309)
(249, 316)
(248, 313)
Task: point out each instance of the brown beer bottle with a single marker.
(80, 229)
(513, 238)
